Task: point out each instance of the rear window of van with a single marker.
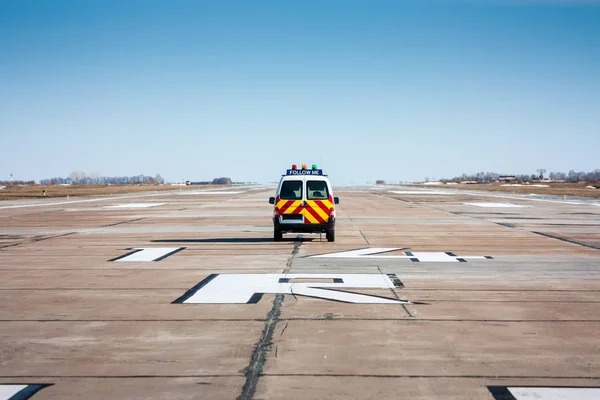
(316, 190)
(291, 190)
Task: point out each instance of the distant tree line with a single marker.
(216, 181)
(571, 176)
(81, 178)
(17, 183)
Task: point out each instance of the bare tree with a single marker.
(78, 176)
(541, 171)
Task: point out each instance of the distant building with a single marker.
(507, 178)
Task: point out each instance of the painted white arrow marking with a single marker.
(495, 205)
(555, 393)
(21, 392)
(413, 256)
(359, 253)
(248, 288)
(148, 254)
(137, 205)
(8, 391)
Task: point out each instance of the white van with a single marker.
(304, 202)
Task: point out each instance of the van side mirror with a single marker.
(336, 200)
(271, 200)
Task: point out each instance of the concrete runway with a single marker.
(86, 310)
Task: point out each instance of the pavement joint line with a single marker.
(405, 319)
(106, 269)
(393, 290)
(580, 203)
(511, 226)
(114, 376)
(298, 375)
(139, 320)
(253, 371)
(566, 240)
(595, 321)
(30, 214)
(435, 376)
(507, 290)
(355, 227)
(364, 237)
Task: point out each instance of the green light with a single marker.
(314, 166)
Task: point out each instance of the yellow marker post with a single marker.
(565, 197)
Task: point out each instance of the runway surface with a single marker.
(424, 294)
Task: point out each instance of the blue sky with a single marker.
(394, 90)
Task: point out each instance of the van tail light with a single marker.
(276, 212)
(331, 213)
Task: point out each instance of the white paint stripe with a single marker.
(374, 253)
(532, 199)
(549, 393)
(8, 391)
(84, 201)
(137, 205)
(358, 253)
(239, 288)
(495, 205)
(421, 192)
(148, 254)
(164, 193)
(223, 192)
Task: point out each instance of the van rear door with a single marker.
(290, 200)
(318, 201)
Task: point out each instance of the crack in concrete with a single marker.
(122, 222)
(35, 240)
(253, 371)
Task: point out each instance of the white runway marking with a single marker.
(148, 254)
(413, 256)
(20, 392)
(60, 203)
(248, 288)
(220, 192)
(421, 192)
(577, 203)
(549, 393)
(8, 391)
(137, 205)
(495, 205)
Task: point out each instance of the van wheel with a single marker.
(330, 235)
(277, 235)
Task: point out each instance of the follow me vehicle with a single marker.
(304, 203)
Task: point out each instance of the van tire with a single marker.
(277, 235)
(330, 235)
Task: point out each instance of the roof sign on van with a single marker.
(304, 170)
